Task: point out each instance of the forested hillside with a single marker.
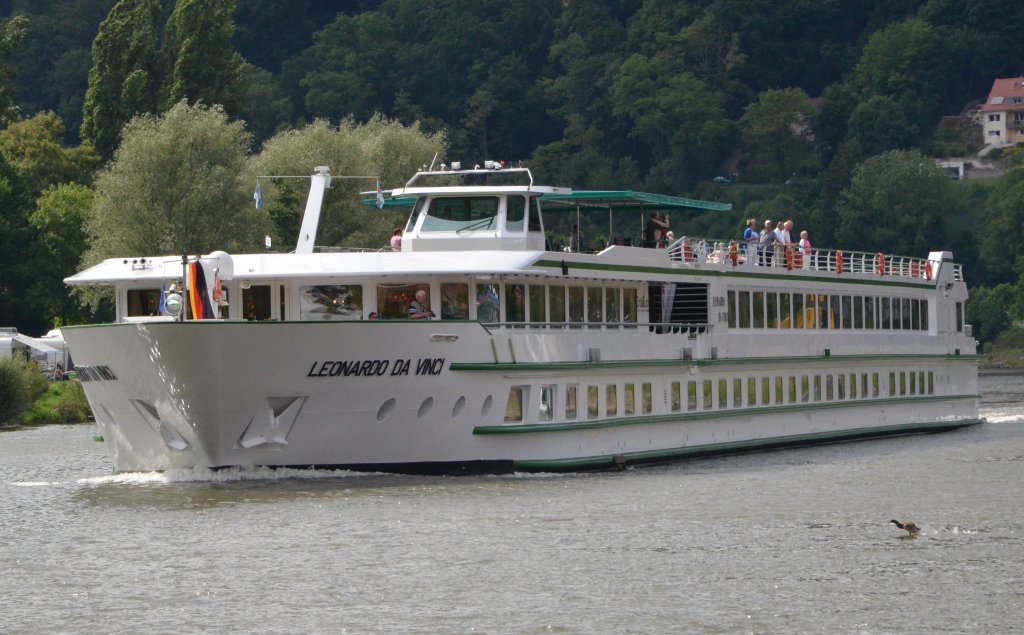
(827, 112)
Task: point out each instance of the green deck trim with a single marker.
(736, 447)
(702, 415)
(796, 274)
(686, 363)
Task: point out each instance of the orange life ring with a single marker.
(915, 269)
(839, 261)
(733, 254)
(880, 264)
(927, 269)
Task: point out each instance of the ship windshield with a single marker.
(462, 213)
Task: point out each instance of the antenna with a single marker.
(431, 168)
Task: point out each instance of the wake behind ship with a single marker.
(476, 349)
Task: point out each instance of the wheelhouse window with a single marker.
(143, 302)
(515, 214)
(332, 302)
(393, 300)
(462, 213)
(515, 303)
(488, 304)
(256, 303)
(454, 301)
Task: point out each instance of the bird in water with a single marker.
(907, 525)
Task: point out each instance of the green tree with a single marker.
(60, 240)
(21, 383)
(12, 33)
(1002, 245)
(16, 242)
(200, 64)
(897, 202)
(879, 124)
(380, 147)
(778, 126)
(176, 186)
(991, 310)
(123, 79)
(35, 147)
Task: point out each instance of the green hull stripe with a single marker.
(795, 275)
(704, 415)
(734, 447)
(685, 363)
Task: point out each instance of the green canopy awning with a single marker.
(625, 200)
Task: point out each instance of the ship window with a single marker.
(931, 383)
(629, 306)
(462, 213)
(256, 303)
(744, 309)
(611, 400)
(515, 304)
(853, 385)
(628, 399)
(905, 305)
(913, 383)
(488, 305)
(691, 395)
(784, 314)
(647, 396)
(772, 305)
(903, 383)
(612, 304)
(454, 301)
(792, 389)
(393, 301)
(829, 388)
(915, 314)
(892, 384)
(869, 313)
(547, 402)
(677, 397)
(858, 312)
(534, 221)
(817, 387)
(144, 302)
(515, 214)
(415, 215)
(556, 303)
(737, 393)
(570, 401)
(959, 316)
(920, 382)
(537, 309)
(884, 314)
(863, 385)
(805, 389)
(731, 295)
(874, 384)
(798, 310)
(841, 386)
(924, 315)
(779, 390)
(514, 406)
(751, 391)
(576, 304)
(723, 394)
(592, 403)
(822, 311)
(758, 309)
(595, 310)
(766, 391)
(847, 312)
(706, 396)
(835, 313)
(331, 302)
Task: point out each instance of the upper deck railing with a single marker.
(700, 251)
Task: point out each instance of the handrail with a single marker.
(699, 251)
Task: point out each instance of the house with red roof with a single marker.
(1003, 112)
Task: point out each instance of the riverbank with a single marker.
(1005, 353)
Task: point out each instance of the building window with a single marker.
(994, 117)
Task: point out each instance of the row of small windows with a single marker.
(769, 309)
(720, 394)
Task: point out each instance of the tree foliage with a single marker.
(200, 65)
(58, 223)
(35, 146)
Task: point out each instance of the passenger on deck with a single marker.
(575, 239)
(652, 233)
(767, 246)
(396, 240)
(418, 309)
(805, 249)
(750, 238)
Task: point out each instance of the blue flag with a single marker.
(380, 196)
(163, 297)
(258, 196)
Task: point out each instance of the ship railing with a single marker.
(662, 328)
(699, 252)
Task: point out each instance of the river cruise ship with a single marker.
(475, 348)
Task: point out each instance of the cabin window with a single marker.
(570, 401)
(766, 391)
(677, 396)
(143, 302)
(556, 303)
(628, 399)
(611, 400)
(905, 314)
(924, 315)
(417, 209)
(647, 396)
(799, 320)
(869, 313)
(394, 300)
(773, 310)
(737, 393)
(533, 223)
(331, 302)
(931, 383)
(515, 303)
(576, 304)
(592, 402)
(913, 383)
(515, 214)
(707, 387)
(454, 301)
(835, 313)
(886, 313)
(514, 407)
(822, 311)
(731, 300)
(461, 213)
(847, 312)
(779, 390)
(758, 309)
(841, 386)
(817, 388)
(959, 317)
(792, 389)
(547, 402)
(874, 384)
(538, 311)
(595, 310)
(723, 394)
(744, 309)
(751, 391)
(488, 305)
(853, 385)
(786, 319)
(691, 395)
(629, 304)
(256, 303)
(805, 389)
(612, 304)
(829, 388)
(892, 384)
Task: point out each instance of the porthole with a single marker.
(385, 409)
(425, 407)
(460, 404)
(486, 408)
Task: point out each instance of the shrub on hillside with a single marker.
(21, 383)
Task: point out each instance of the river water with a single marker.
(792, 541)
